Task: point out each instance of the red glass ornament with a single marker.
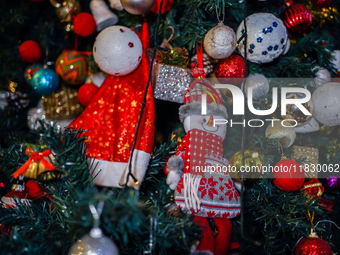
(30, 51)
(312, 245)
(84, 24)
(297, 18)
(288, 175)
(230, 68)
(165, 7)
(86, 93)
(321, 3)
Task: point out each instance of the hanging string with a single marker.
(311, 218)
(96, 213)
(329, 221)
(243, 121)
(218, 13)
(283, 156)
(144, 101)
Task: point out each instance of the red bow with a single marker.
(313, 189)
(34, 156)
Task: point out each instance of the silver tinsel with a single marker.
(39, 113)
(171, 82)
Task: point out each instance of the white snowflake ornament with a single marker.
(266, 40)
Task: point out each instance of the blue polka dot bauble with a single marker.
(265, 33)
(45, 81)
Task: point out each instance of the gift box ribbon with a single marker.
(313, 189)
(34, 156)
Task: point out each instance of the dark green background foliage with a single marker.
(275, 220)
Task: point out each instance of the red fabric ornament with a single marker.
(288, 175)
(86, 93)
(314, 189)
(84, 24)
(312, 245)
(111, 119)
(229, 68)
(165, 7)
(30, 51)
(321, 3)
(297, 18)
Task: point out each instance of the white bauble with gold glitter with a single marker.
(287, 133)
(117, 50)
(220, 41)
(266, 40)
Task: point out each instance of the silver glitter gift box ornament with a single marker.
(171, 82)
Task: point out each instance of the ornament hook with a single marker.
(96, 213)
(218, 13)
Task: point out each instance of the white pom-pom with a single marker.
(220, 42)
(266, 40)
(118, 50)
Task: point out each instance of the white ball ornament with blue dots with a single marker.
(267, 37)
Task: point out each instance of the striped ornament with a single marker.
(297, 18)
(71, 67)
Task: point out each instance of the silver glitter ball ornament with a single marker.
(220, 41)
(326, 100)
(259, 84)
(137, 7)
(171, 82)
(95, 243)
(266, 40)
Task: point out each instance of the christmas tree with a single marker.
(101, 102)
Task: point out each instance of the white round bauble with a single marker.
(286, 49)
(137, 7)
(259, 83)
(116, 4)
(97, 79)
(326, 100)
(95, 243)
(117, 50)
(220, 41)
(336, 60)
(310, 126)
(266, 40)
(322, 76)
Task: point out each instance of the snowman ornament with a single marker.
(198, 172)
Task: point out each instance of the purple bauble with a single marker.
(330, 183)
